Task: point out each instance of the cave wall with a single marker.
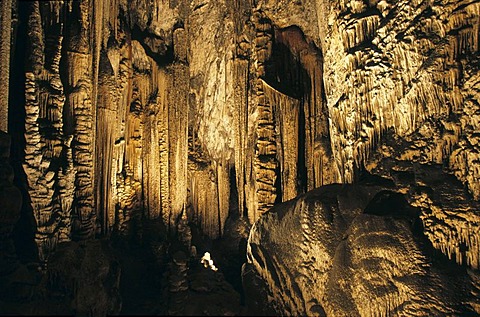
(405, 65)
(105, 118)
(149, 108)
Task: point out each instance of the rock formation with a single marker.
(6, 24)
(353, 250)
(123, 112)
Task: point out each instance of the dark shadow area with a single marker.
(285, 72)
(363, 177)
(392, 204)
(154, 47)
(143, 261)
(24, 232)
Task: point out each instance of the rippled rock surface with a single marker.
(353, 250)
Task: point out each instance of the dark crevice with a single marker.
(463, 6)
(278, 185)
(199, 6)
(68, 37)
(162, 59)
(367, 44)
(233, 199)
(285, 73)
(371, 11)
(389, 203)
(301, 163)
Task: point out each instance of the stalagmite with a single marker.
(263, 192)
(80, 121)
(49, 185)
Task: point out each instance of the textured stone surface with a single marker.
(146, 109)
(5, 45)
(277, 98)
(450, 217)
(351, 250)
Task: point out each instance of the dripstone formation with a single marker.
(345, 134)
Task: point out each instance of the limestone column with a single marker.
(5, 39)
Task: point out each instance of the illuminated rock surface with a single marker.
(192, 119)
(348, 250)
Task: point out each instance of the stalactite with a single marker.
(129, 201)
(124, 199)
(5, 40)
(204, 195)
(449, 224)
(107, 108)
(223, 194)
(66, 191)
(133, 139)
(177, 90)
(286, 111)
(318, 148)
(119, 143)
(163, 149)
(359, 31)
(81, 120)
(153, 173)
(50, 185)
(387, 82)
(300, 70)
(241, 129)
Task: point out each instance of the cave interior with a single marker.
(240, 157)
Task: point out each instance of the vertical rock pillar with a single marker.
(178, 127)
(5, 40)
(80, 118)
(262, 195)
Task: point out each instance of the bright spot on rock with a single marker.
(208, 262)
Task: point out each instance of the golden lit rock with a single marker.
(344, 134)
